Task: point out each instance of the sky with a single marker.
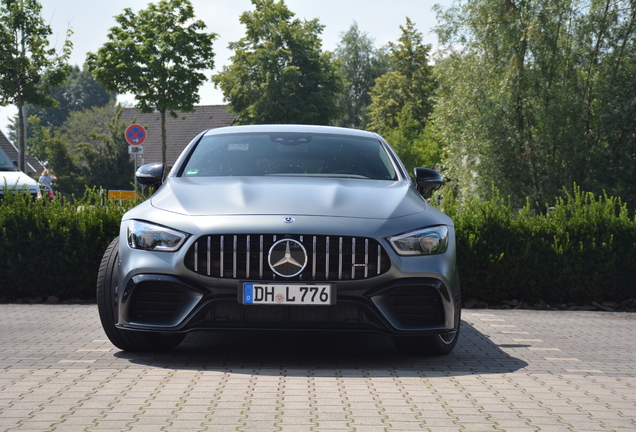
(91, 20)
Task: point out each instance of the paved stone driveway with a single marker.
(512, 370)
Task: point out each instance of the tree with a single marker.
(158, 55)
(80, 154)
(402, 100)
(81, 126)
(53, 148)
(536, 96)
(109, 164)
(78, 129)
(360, 64)
(80, 92)
(61, 162)
(28, 66)
(407, 91)
(279, 73)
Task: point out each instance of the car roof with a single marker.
(294, 128)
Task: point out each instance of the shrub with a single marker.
(583, 249)
(54, 247)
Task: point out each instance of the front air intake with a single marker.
(417, 304)
(156, 299)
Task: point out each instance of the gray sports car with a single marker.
(283, 227)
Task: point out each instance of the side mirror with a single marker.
(151, 174)
(428, 179)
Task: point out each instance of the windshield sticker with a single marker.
(238, 147)
(193, 171)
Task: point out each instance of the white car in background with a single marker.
(11, 178)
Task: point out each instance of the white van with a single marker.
(11, 178)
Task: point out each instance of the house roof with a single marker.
(33, 167)
(179, 131)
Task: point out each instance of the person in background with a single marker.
(47, 180)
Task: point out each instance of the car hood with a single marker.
(311, 196)
(17, 180)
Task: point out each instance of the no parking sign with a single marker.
(135, 134)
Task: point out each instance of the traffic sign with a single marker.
(135, 134)
(135, 149)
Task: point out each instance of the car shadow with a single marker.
(290, 354)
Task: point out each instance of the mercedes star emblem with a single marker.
(287, 258)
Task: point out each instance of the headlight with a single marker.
(150, 237)
(426, 241)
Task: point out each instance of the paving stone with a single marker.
(59, 372)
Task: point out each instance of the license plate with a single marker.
(287, 294)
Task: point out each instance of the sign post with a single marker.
(135, 136)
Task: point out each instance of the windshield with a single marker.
(289, 154)
(5, 163)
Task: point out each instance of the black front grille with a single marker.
(417, 304)
(245, 256)
(156, 300)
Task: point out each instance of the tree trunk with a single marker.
(21, 136)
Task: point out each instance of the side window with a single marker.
(386, 161)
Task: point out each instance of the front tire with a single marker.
(126, 340)
(434, 345)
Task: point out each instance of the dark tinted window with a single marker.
(5, 163)
(263, 154)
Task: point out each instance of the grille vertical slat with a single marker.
(366, 258)
(340, 258)
(313, 258)
(260, 258)
(234, 255)
(209, 257)
(327, 260)
(245, 256)
(196, 257)
(353, 258)
(222, 260)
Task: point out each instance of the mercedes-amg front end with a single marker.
(283, 227)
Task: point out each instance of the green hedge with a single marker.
(54, 247)
(582, 250)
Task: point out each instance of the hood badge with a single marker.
(288, 219)
(287, 258)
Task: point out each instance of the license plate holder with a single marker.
(289, 294)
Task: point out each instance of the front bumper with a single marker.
(190, 290)
(171, 304)
(174, 304)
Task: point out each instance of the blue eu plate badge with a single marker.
(248, 294)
